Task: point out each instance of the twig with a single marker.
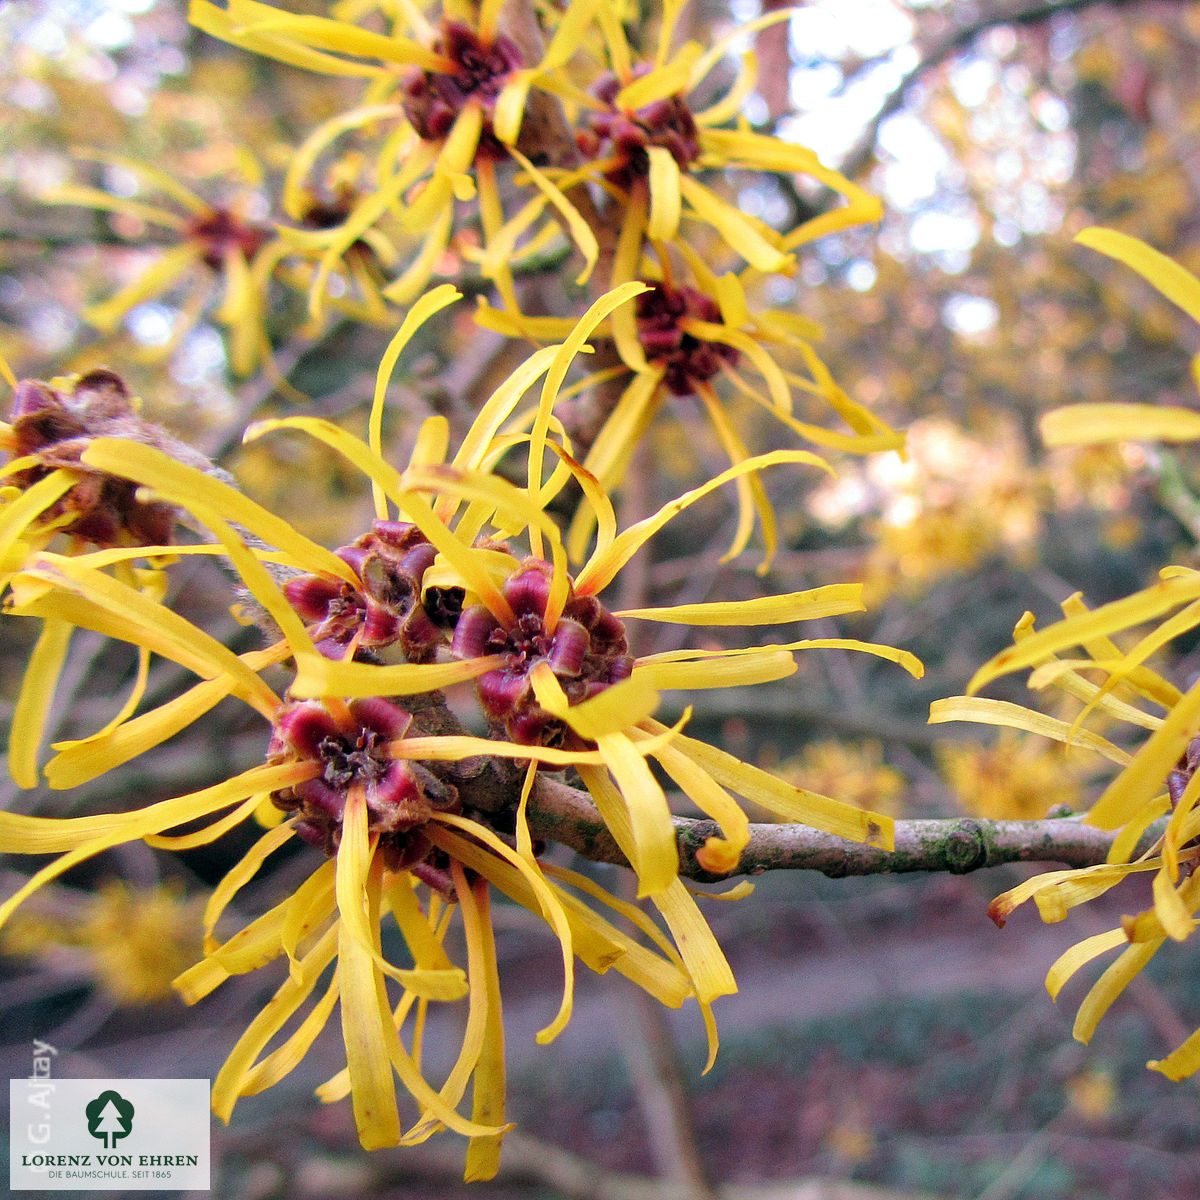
(565, 814)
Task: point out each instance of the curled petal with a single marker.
(569, 648)
(303, 727)
(471, 633)
(311, 596)
(381, 717)
(528, 591)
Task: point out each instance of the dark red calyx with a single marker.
(626, 136)
(586, 650)
(433, 100)
(689, 360)
(353, 752)
(219, 231)
(54, 423)
(385, 607)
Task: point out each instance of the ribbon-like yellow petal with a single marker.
(830, 601)
(703, 958)
(1183, 1061)
(1177, 283)
(1079, 955)
(230, 1082)
(1017, 716)
(1095, 424)
(34, 700)
(666, 199)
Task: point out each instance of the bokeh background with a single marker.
(887, 1040)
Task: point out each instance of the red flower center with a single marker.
(219, 231)
(587, 651)
(626, 136)
(351, 753)
(433, 99)
(688, 359)
(385, 608)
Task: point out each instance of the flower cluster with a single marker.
(506, 140)
(558, 138)
(462, 667)
(461, 579)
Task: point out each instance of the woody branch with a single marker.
(565, 814)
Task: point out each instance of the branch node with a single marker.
(966, 848)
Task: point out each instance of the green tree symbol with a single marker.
(109, 1117)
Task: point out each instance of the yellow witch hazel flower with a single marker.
(366, 764)
(451, 97)
(209, 249)
(643, 140)
(48, 496)
(419, 575)
(1154, 795)
(679, 342)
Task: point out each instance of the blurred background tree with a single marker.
(918, 1052)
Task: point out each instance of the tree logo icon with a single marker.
(109, 1117)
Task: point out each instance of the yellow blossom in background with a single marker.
(203, 251)
(910, 557)
(1103, 478)
(1092, 1094)
(851, 1140)
(1095, 476)
(132, 941)
(953, 499)
(854, 772)
(1012, 779)
(139, 940)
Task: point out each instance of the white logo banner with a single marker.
(108, 1134)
